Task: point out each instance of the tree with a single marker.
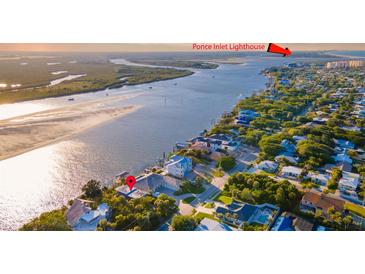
(165, 206)
(183, 223)
(347, 220)
(49, 221)
(92, 189)
(226, 163)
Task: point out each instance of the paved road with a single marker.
(207, 194)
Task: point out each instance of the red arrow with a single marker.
(276, 49)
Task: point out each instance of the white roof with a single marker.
(350, 182)
(292, 169)
(212, 225)
(318, 176)
(289, 158)
(103, 209)
(90, 216)
(267, 164)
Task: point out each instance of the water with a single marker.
(358, 53)
(48, 177)
(66, 78)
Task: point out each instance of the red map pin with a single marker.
(130, 181)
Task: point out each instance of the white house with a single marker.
(319, 178)
(152, 182)
(349, 181)
(212, 225)
(81, 218)
(291, 172)
(179, 166)
(268, 166)
(289, 159)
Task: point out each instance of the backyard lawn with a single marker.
(188, 187)
(358, 210)
(224, 199)
(201, 215)
(188, 200)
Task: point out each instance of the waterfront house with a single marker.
(245, 116)
(210, 144)
(230, 146)
(81, 217)
(178, 166)
(267, 166)
(318, 178)
(153, 182)
(133, 193)
(221, 137)
(212, 225)
(291, 172)
(74, 213)
(313, 201)
(90, 220)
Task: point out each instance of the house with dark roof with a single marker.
(239, 214)
(290, 222)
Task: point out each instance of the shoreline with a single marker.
(65, 123)
(110, 87)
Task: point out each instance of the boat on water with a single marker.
(150, 87)
(71, 99)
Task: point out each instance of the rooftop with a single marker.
(212, 225)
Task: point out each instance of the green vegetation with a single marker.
(218, 173)
(49, 221)
(254, 227)
(209, 205)
(356, 209)
(146, 213)
(92, 190)
(332, 183)
(36, 75)
(314, 154)
(338, 221)
(226, 163)
(183, 223)
(139, 75)
(224, 199)
(201, 215)
(188, 200)
(189, 187)
(258, 189)
(176, 63)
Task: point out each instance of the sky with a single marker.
(97, 47)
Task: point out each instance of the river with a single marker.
(172, 111)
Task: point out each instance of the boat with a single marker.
(71, 99)
(150, 87)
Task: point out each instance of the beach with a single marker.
(25, 133)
